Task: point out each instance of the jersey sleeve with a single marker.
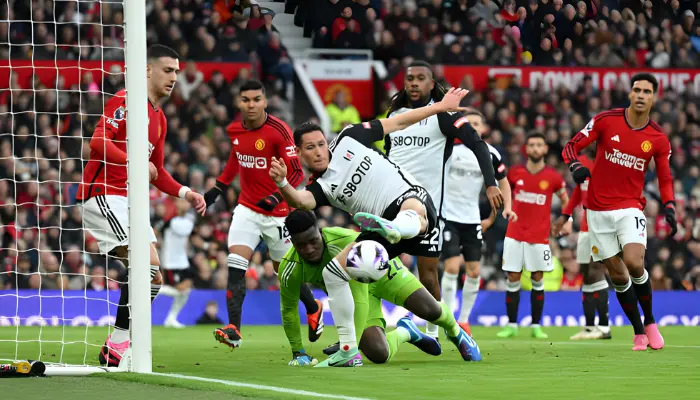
(113, 120)
(581, 140)
(165, 182)
(231, 169)
(558, 183)
(287, 151)
(290, 282)
(663, 171)
(499, 168)
(456, 126)
(366, 133)
(319, 196)
(339, 237)
(574, 201)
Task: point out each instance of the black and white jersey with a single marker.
(425, 150)
(360, 178)
(176, 235)
(464, 182)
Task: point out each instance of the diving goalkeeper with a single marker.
(313, 250)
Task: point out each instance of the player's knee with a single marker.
(595, 272)
(423, 305)
(537, 276)
(452, 265)
(635, 262)
(374, 346)
(473, 270)
(157, 277)
(514, 276)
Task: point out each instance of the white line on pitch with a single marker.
(591, 343)
(260, 387)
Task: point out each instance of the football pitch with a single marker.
(519, 368)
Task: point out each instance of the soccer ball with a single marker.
(367, 261)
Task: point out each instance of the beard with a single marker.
(535, 159)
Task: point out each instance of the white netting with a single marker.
(60, 61)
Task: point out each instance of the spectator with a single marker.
(189, 80)
(341, 113)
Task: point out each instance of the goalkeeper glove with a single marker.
(670, 217)
(301, 359)
(579, 172)
(212, 194)
(270, 202)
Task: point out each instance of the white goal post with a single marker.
(34, 321)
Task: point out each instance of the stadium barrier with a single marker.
(91, 308)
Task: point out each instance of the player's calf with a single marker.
(374, 345)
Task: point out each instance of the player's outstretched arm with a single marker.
(449, 103)
(302, 199)
(224, 180)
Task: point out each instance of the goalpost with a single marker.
(40, 323)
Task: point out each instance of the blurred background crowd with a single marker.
(44, 133)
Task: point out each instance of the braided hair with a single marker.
(401, 99)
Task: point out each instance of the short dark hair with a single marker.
(645, 76)
(252, 84)
(303, 129)
(535, 135)
(157, 51)
(299, 221)
(474, 111)
(401, 99)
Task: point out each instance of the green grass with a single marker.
(519, 368)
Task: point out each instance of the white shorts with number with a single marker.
(107, 219)
(533, 256)
(249, 227)
(610, 231)
(583, 248)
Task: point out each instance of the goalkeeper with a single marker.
(313, 249)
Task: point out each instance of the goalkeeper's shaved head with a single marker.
(299, 221)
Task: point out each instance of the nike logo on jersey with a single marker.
(616, 138)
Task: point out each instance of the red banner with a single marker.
(73, 71)
(358, 93)
(549, 78)
(352, 77)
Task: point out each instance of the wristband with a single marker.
(282, 184)
(182, 193)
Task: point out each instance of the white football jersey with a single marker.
(176, 235)
(464, 184)
(359, 178)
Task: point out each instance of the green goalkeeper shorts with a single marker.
(394, 287)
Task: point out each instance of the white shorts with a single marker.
(248, 227)
(610, 231)
(583, 248)
(535, 257)
(107, 219)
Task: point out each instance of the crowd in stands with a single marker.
(41, 162)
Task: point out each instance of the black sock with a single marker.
(642, 287)
(513, 301)
(307, 297)
(628, 301)
(537, 301)
(235, 294)
(602, 303)
(122, 319)
(589, 307)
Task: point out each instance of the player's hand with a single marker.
(278, 170)
(452, 99)
(487, 223)
(270, 202)
(510, 215)
(212, 194)
(197, 202)
(670, 217)
(579, 172)
(562, 226)
(495, 197)
(301, 359)
(152, 172)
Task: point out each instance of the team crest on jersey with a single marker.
(544, 185)
(646, 146)
(259, 144)
(119, 114)
(594, 250)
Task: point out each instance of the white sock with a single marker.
(341, 303)
(119, 335)
(408, 223)
(469, 292)
(431, 330)
(178, 302)
(169, 291)
(449, 290)
(154, 288)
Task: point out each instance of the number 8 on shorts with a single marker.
(533, 256)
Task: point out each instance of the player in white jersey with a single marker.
(425, 149)
(464, 227)
(177, 274)
(352, 176)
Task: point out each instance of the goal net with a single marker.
(60, 62)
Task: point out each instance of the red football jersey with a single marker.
(579, 196)
(105, 172)
(251, 152)
(622, 159)
(532, 201)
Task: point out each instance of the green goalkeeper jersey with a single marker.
(293, 271)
